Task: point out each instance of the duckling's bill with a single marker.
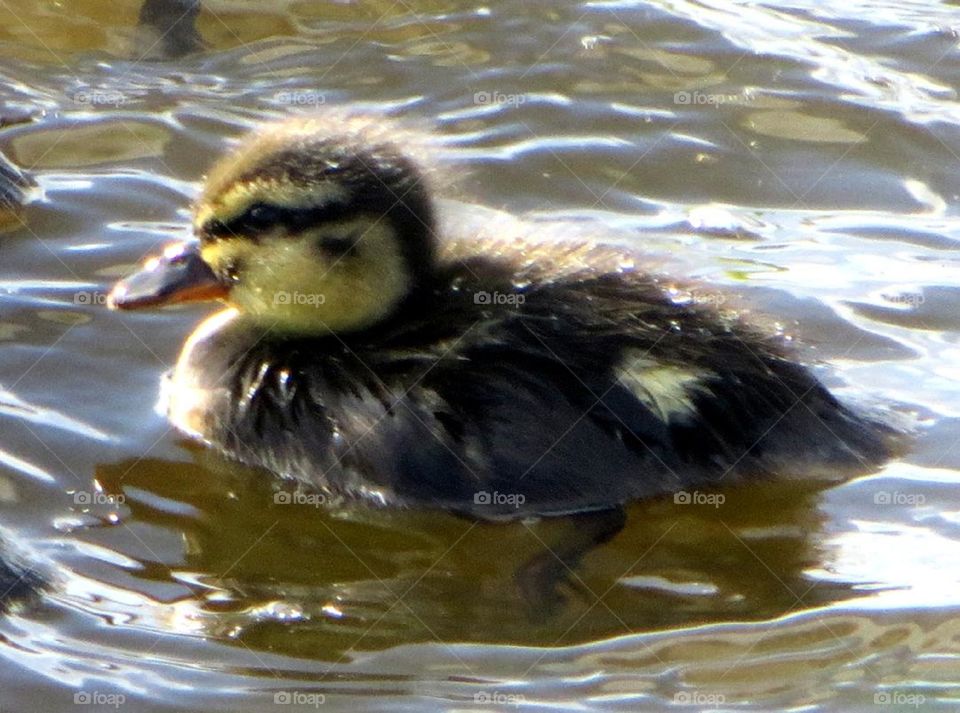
(178, 275)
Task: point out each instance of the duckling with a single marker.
(369, 357)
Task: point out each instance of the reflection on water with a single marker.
(799, 160)
(387, 577)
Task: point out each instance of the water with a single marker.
(798, 160)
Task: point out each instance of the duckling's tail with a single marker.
(811, 433)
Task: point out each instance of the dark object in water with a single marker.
(167, 29)
(19, 579)
(13, 186)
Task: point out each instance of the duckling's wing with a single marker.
(593, 397)
(506, 439)
(499, 430)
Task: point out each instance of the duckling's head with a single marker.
(305, 228)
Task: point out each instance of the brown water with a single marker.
(801, 158)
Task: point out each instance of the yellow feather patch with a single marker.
(665, 389)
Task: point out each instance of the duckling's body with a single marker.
(494, 378)
(584, 388)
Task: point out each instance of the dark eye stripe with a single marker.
(262, 217)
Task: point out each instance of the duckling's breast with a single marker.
(197, 393)
(275, 403)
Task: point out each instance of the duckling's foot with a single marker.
(541, 577)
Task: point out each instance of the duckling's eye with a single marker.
(338, 246)
(259, 216)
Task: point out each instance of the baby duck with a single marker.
(371, 358)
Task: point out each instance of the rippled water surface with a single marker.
(801, 159)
